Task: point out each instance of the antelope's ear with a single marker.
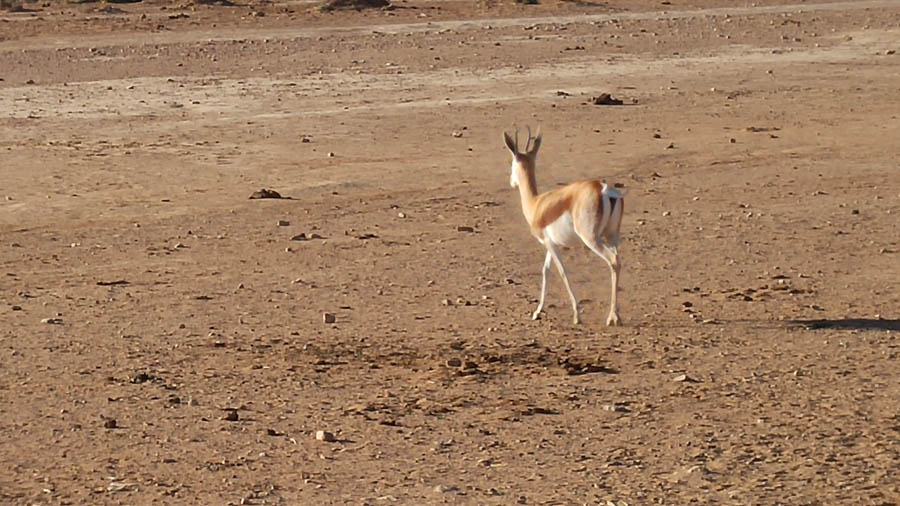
(537, 145)
(510, 145)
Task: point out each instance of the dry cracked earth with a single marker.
(164, 337)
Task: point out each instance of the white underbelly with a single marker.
(562, 231)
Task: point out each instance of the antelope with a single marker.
(587, 212)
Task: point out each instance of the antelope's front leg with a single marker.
(562, 272)
(547, 260)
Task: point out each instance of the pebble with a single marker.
(324, 435)
(52, 321)
(443, 489)
(328, 318)
(283, 223)
(231, 416)
(110, 423)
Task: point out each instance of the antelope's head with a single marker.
(522, 161)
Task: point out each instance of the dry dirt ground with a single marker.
(162, 337)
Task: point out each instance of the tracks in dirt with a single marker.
(194, 36)
(303, 97)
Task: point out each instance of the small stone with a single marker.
(324, 435)
(110, 423)
(444, 489)
(446, 302)
(855, 211)
(283, 223)
(680, 377)
(464, 228)
(231, 416)
(52, 321)
(454, 362)
(401, 215)
(457, 134)
(265, 194)
(328, 318)
(330, 154)
(16, 308)
(666, 213)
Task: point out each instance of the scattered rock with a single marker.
(454, 362)
(265, 194)
(605, 99)
(110, 423)
(283, 223)
(328, 318)
(231, 415)
(457, 134)
(445, 489)
(684, 378)
(303, 237)
(16, 308)
(52, 321)
(464, 228)
(333, 5)
(112, 283)
(324, 435)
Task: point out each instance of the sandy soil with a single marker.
(163, 338)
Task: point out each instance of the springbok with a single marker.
(587, 212)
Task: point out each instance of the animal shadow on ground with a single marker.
(849, 324)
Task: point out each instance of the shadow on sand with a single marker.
(849, 324)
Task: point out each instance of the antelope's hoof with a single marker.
(536, 315)
(576, 320)
(613, 320)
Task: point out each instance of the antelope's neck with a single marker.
(528, 192)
